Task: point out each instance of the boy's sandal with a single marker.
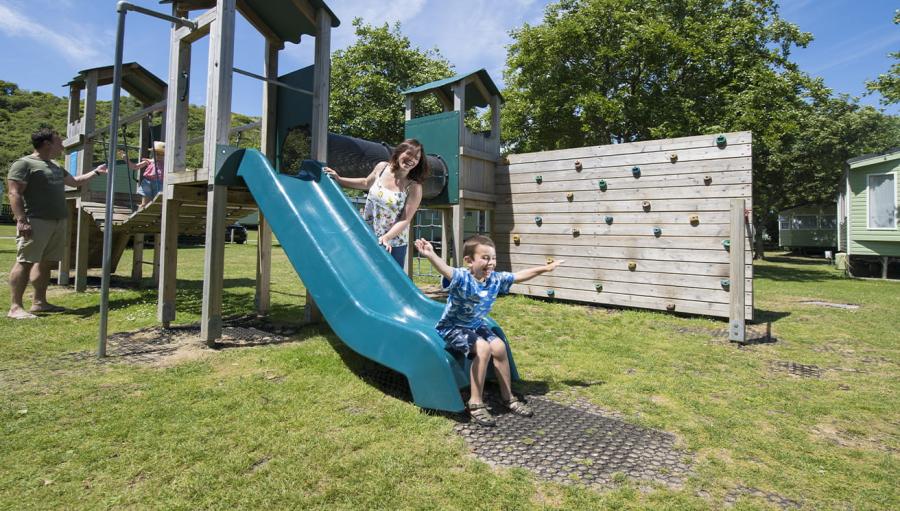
(480, 415)
(519, 408)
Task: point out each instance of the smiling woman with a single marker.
(395, 192)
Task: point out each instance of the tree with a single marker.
(888, 84)
(368, 77)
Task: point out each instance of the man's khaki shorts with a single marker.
(47, 241)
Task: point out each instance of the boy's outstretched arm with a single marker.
(427, 250)
(530, 273)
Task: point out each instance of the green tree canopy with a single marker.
(368, 76)
(888, 84)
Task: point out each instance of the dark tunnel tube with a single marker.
(355, 157)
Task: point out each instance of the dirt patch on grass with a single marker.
(166, 347)
(832, 431)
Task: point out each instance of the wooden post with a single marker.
(85, 162)
(74, 112)
(446, 234)
(165, 248)
(168, 259)
(65, 264)
(495, 119)
(268, 142)
(885, 260)
(736, 331)
(410, 250)
(137, 258)
(157, 255)
(408, 107)
(321, 88)
(218, 121)
(459, 221)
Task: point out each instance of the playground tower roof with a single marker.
(143, 85)
(285, 20)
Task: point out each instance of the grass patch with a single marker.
(290, 426)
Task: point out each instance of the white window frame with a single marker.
(798, 228)
(868, 216)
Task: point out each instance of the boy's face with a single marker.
(483, 262)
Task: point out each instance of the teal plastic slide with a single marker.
(364, 295)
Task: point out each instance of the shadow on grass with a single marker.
(764, 316)
(394, 384)
(792, 274)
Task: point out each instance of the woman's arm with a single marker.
(409, 212)
(359, 183)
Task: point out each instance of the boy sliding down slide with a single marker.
(472, 291)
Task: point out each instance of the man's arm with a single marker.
(530, 273)
(17, 203)
(76, 181)
(427, 250)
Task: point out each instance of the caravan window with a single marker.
(828, 222)
(806, 222)
(784, 223)
(882, 197)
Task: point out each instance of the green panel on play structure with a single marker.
(439, 134)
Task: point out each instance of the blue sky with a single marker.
(44, 50)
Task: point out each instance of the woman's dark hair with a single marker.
(45, 134)
(420, 172)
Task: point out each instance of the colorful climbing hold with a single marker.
(602, 185)
(636, 171)
(538, 220)
(707, 180)
(646, 205)
(551, 293)
(694, 219)
(538, 179)
(549, 260)
(598, 286)
(670, 307)
(673, 157)
(725, 283)
(721, 141)
(578, 166)
(516, 239)
(657, 232)
(576, 232)
(609, 220)
(632, 265)
(726, 244)
(570, 196)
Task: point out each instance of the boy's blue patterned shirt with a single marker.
(470, 301)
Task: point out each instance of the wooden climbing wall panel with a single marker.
(644, 224)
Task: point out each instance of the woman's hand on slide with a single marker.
(331, 173)
(385, 242)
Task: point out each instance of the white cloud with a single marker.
(471, 34)
(77, 50)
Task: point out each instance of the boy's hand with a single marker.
(552, 266)
(424, 247)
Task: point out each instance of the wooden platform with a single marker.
(191, 214)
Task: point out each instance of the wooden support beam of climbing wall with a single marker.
(736, 331)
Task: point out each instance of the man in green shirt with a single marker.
(37, 196)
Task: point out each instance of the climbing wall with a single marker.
(644, 224)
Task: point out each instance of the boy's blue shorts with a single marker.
(460, 340)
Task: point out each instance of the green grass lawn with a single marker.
(291, 426)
